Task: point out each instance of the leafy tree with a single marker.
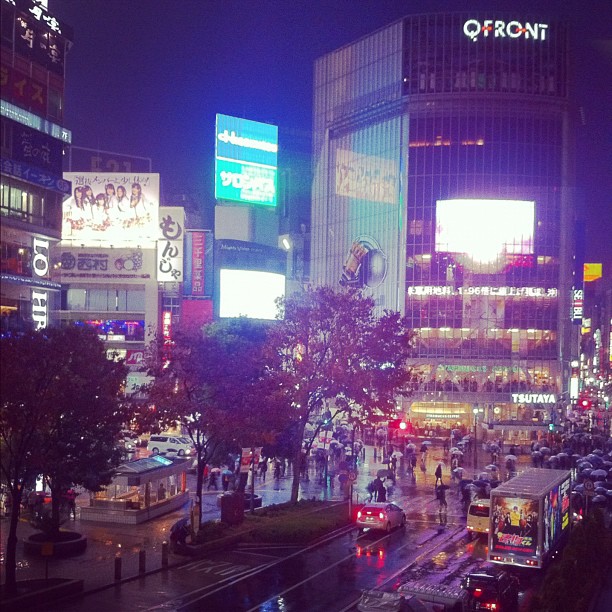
(59, 417)
(330, 351)
(209, 383)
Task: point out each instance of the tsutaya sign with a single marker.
(534, 398)
(494, 28)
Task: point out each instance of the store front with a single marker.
(141, 490)
(440, 417)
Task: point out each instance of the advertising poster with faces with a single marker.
(515, 525)
(109, 208)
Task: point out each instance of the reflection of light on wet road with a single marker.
(440, 561)
(274, 605)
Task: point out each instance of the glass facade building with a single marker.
(443, 187)
(33, 45)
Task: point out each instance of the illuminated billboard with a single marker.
(485, 230)
(109, 208)
(250, 277)
(246, 161)
(249, 293)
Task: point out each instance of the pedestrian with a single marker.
(393, 464)
(263, 468)
(212, 481)
(161, 492)
(438, 474)
(446, 445)
(441, 496)
(375, 456)
(381, 491)
(71, 502)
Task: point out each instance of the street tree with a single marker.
(59, 417)
(210, 384)
(330, 351)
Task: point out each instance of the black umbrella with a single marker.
(180, 524)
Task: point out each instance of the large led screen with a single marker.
(108, 208)
(485, 230)
(246, 163)
(249, 293)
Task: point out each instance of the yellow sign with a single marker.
(592, 272)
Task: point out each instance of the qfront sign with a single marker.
(495, 28)
(534, 398)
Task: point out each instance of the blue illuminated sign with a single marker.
(246, 161)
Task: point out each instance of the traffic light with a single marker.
(326, 417)
(585, 403)
(551, 427)
(397, 424)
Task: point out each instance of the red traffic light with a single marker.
(402, 425)
(397, 424)
(585, 404)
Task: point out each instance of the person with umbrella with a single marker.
(212, 479)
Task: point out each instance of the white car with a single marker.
(169, 443)
(380, 515)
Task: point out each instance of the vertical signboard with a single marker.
(246, 163)
(199, 248)
(170, 244)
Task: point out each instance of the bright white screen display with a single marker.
(485, 229)
(249, 293)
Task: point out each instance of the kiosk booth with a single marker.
(140, 490)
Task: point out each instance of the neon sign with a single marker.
(474, 29)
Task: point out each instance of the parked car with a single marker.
(380, 515)
(478, 516)
(492, 590)
(169, 443)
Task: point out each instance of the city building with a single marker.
(34, 45)
(443, 187)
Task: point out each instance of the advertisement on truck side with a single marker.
(515, 525)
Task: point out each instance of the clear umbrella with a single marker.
(510, 457)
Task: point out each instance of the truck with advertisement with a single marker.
(530, 518)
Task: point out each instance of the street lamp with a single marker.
(475, 411)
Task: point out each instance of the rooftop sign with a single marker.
(495, 28)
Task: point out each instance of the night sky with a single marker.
(146, 78)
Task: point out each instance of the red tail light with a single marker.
(381, 515)
(359, 514)
(477, 592)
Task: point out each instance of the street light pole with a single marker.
(475, 411)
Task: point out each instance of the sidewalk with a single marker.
(96, 566)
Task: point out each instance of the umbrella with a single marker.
(458, 471)
(562, 455)
(601, 490)
(579, 488)
(411, 447)
(481, 484)
(492, 467)
(494, 448)
(536, 454)
(182, 522)
(598, 499)
(484, 476)
(428, 442)
(581, 465)
(599, 474)
(510, 457)
(216, 470)
(598, 451)
(455, 450)
(467, 438)
(397, 454)
(545, 450)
